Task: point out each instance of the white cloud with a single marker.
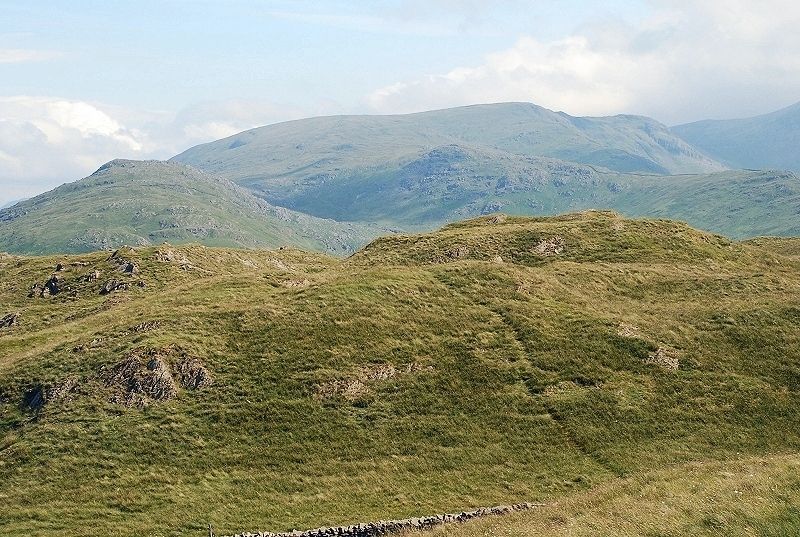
(47, 141)
(208, 121)
(688, 60)
(20, 55)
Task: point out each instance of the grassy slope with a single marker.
(766, 141)
(138, 203)
(525, 390)
(754, 496)
(454, 182)
(291, 157)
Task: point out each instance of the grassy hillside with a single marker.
(140, 203)
(296, 156)
(497, 360)
(767, 141)
(453, 182)
(739, 498)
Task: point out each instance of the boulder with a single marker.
(53, 286)
(192, 374)
(92, 276)
(7, 321)
(112, 286)
(550, 247)
(664, 357)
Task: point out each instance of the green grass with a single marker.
(522, 388)
(142, 203)
(756, 496)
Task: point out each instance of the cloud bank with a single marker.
(47, 141)
(686, 61)
(683, 61)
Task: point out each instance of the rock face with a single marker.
(384, 527)
(7, 321)
(143, 377)
(549, 247)
(664, 357)
(139, 381)
(154, 375)
(112, 286)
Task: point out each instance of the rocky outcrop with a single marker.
(143, 377)
(92, 276)
(385, 527)
(51, 287)
(7, 321)
(628, 330)
(192, 374)
(112, 286)
(137, 381)
(664, 357)
(154, 375)
(40, 395)
(145, 326)
(550, 247)
(359, 383)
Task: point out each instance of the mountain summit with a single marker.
(149, 202)
(289, 155)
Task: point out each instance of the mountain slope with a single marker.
(290, 156)
(497, 360)
(766, 141)
(140, 203)
(452, 182)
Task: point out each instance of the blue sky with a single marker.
(85, 81)
(168, 54)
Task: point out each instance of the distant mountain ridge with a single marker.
(148, 202)
(294, 154)
(454, 182)
(11, 203)
(766, 141)
(334, 183)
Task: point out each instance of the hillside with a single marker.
(149, 202)
(766, 141)
(502, 359)
(296, 156)
(454, 182)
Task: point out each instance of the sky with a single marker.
(83, 82)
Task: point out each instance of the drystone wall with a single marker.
(385, 527)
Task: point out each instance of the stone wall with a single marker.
(384, 527)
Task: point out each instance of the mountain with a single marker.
(150, 202)
(767, 141)
(452, 182)
(625, 373)
(294, 155)
(10, 203)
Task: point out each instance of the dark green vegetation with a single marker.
(767, 141)
(140, 203)
(496, 360)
